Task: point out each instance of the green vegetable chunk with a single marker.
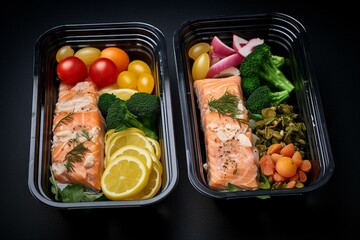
(119, 118)
(146, 107)
(261, 62)
(262, 97)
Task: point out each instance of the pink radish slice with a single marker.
(221, 48)
(229, 61)
(214, 55)
(231, 71)
(247, 49)
(238, 42)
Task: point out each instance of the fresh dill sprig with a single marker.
(84, 133)
(65, 120)
(226, 105)
(75, 155)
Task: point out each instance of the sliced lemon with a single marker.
(131, 138)
(110, 134)
(136, 151)
(152, 187)
(157, 162)
(124, 177)
(108, 88)
(156, 146)
(122, 93)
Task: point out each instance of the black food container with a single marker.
(141, 41)
(287, 37)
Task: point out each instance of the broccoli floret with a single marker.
(249, 84)
(260, 62)
(146, 107)
(262, 97)
(279, 61)
(119, 118)
(105, 101)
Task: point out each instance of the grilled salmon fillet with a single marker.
(231, 157)
(78, 136)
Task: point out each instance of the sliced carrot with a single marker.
(267, 165)
(275, 157)
(278, 178)
(305, 166)
(288, 150)
(302, 176)
(295, 177)
(274, 148)
(291, 184)
(297, 158)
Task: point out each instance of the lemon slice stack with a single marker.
(122, 93)
(133, 167)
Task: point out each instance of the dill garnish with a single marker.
(84, 133)
(65, 120)
(75, 155)
(226, 105)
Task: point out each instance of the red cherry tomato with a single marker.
(71, 70)
(103, 72)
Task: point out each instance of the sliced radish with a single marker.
(220, 48)
(247, 49)
(238, 42)
(227, 62)
(231, 71)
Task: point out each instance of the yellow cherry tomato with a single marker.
(201, 66)
(145, 83)
(197, 49)
(64, 52)
(127, 79)
(138, 67)
(88, 54)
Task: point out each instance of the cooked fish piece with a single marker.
(230, 154)
(78, 136)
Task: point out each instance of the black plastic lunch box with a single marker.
(287, 37)
(141, 41)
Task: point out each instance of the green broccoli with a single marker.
(262, 97)
(105, 101)
(119, 118)
(278, 61)
(259, 62)
(249, 84)
(146, 107)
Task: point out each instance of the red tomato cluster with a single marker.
(110, 66)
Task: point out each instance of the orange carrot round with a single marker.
(278, 178)
(302, 176)
(297, 158)
(286, 167)
(305, 166)
(291, 184)
(275, 157)
(274, 148)
(267, 165)
(288, 150)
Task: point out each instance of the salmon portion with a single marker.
(230, 154)
(81, 97)
(209, 89)
(78, 136)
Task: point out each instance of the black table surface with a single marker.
(185, 214)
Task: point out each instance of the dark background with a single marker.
(185, 214)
